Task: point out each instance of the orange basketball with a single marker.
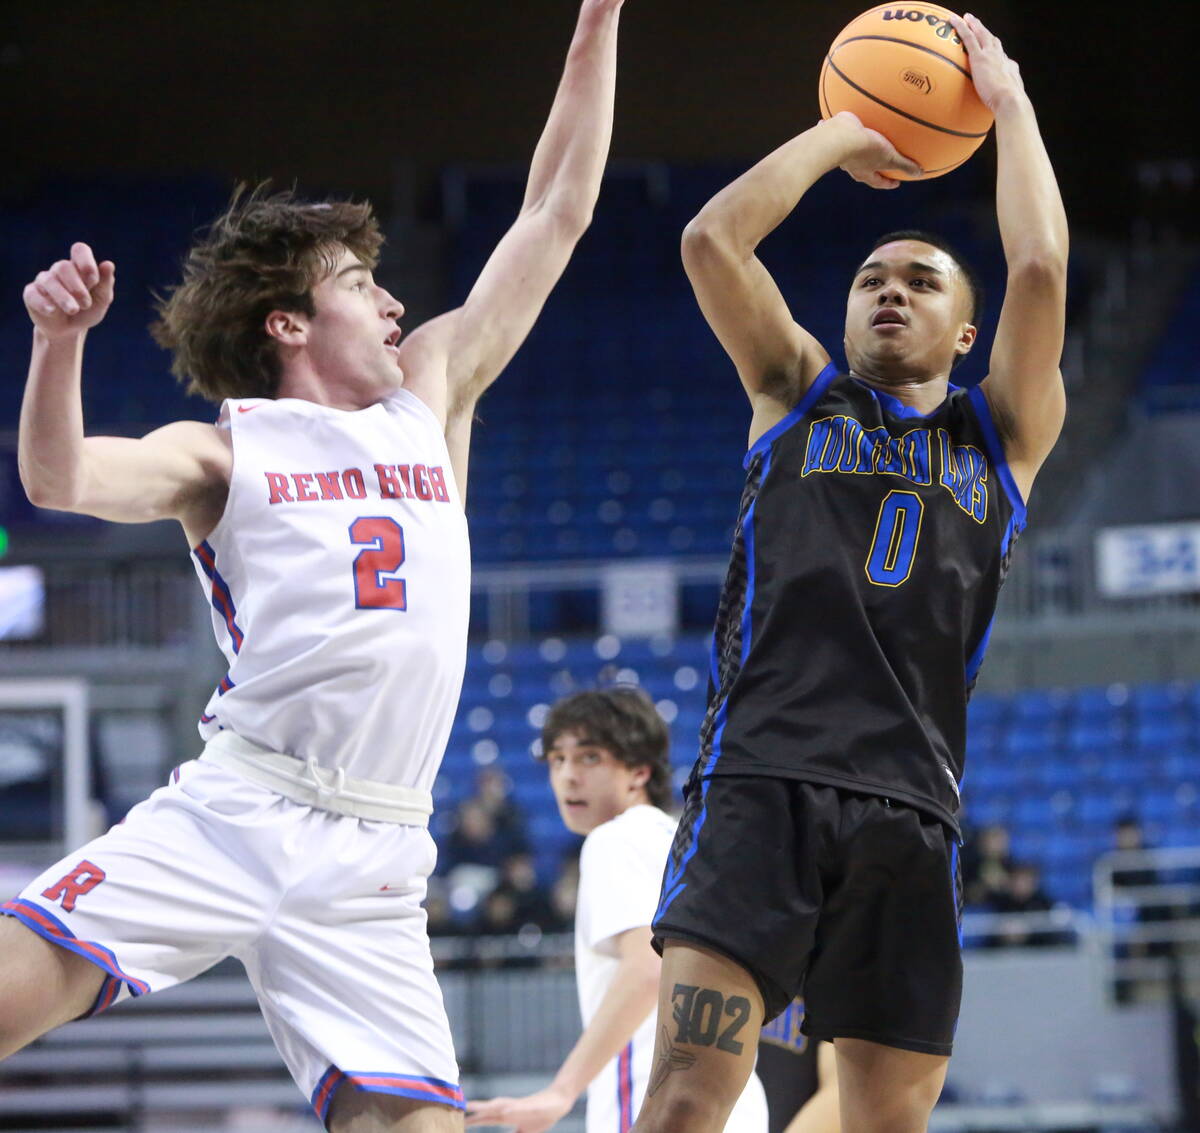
(903, 70)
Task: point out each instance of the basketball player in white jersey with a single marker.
(325, 510)
(607, 755)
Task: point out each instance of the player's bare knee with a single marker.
(680, 1108)
(364, 1111)
(41, 986)
(885, 1090)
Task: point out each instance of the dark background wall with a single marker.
(332, 93)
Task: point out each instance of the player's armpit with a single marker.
(170, 473)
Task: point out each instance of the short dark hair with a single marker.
(266, 252)
(623, 721)
(944, 245)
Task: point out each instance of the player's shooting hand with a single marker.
(72, 295)
(868, 153)
(532, 1114)
(995, 75)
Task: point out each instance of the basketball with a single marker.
(903, 70)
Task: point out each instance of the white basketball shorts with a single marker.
(324, 911)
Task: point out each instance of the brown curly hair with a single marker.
(623, 721)
(265, 253)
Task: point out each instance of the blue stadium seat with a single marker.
(1093, 735)
(1030, 741)
(1097, 703)
(1038, 706)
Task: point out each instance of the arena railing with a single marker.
(1147, 909)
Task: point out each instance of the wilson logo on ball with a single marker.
(917, 79)
(943, 29)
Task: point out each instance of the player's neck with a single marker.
(920, 393)
(302, 381)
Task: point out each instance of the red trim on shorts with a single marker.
(52, 929)
(399, 1085)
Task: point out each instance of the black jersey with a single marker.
(868, 555)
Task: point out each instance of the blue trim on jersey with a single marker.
(673, 883)
(975, 663)
(814, 392)
(222, 599)
(996, 453)
(897, 408)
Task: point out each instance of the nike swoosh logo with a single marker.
(248, 408)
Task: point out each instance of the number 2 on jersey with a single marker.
(384, 539)
(895, 544)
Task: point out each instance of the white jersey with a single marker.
(620, 875)
(339, 579)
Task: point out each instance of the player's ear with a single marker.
(966, 339)
(287, 327)
(640, 777)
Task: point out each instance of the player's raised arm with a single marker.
(480, 338)
(130, 481)
(1024, 386)
(775, 357)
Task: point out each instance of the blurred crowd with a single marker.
(487, 881)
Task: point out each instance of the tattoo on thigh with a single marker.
(700, 1015)
(670, 1058)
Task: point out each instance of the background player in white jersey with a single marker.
(325, 513)
(607, 753)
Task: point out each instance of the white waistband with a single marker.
(304, 782)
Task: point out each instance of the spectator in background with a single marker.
(987, 864)
(1023, 895)
(1129, 836)
(474, 839)
(531, 903)
(565, 892)
(492, 792)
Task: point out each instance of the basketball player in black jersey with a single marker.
(818, 848)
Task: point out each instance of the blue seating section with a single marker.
(619, 429)
(145, 228)
(1056, 767)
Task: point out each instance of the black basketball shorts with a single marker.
(851, 900)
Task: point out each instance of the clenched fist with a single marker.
(72, 296)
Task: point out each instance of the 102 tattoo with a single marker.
(705, 1017)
